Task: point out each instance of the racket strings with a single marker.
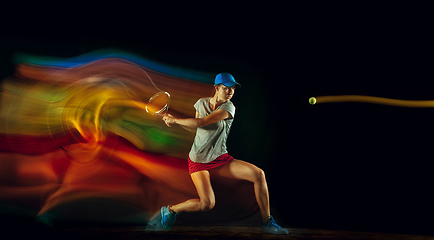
(158, 103)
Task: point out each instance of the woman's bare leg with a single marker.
(242, 170)
(204, 189)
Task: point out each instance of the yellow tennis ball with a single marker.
(312, 100)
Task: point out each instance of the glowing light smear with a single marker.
(76, 129)
(376, 100)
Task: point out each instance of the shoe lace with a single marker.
(173, 215)
(272, 223)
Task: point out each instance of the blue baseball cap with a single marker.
(226, 79)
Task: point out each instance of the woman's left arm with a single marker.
(197, 122)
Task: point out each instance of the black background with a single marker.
(343, 165)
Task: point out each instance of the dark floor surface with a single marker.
(196, 232)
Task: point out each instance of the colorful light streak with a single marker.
(77, 129)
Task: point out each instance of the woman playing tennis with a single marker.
(208, 155)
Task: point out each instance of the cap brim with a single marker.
(232, 84)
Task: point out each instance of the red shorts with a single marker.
(218, 162)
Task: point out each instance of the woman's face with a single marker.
(225, 93)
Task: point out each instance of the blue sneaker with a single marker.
(271, 227)
(168, 218)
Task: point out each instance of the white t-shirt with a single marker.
(210, 141)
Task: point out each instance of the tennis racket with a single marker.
(158, 104)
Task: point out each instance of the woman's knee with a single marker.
(259, 175)
(204, 189)
(256, 175)
(207, 204)
(242, 170)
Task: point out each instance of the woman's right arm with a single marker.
(193, 123)
(190, 129)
